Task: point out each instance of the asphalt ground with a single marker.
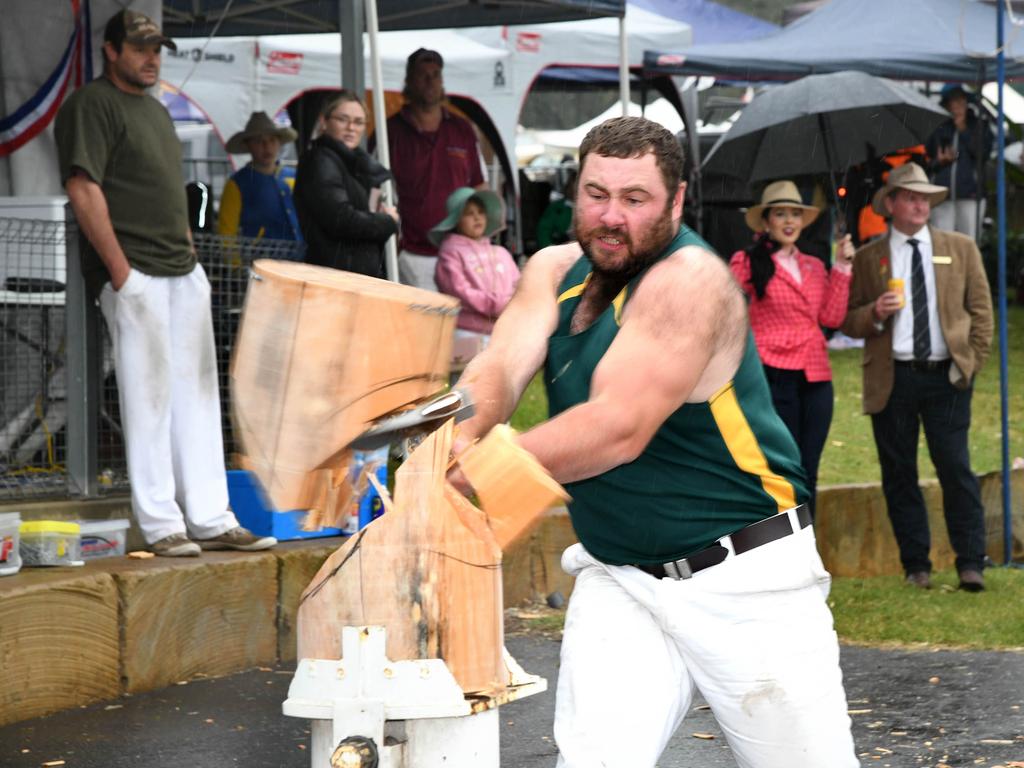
(911, 708)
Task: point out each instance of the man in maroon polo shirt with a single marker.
(433, 153)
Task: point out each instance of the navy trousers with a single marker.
(806, 410)
(925, 397)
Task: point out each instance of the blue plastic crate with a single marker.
(253, 509)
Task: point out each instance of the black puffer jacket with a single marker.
(332, 198)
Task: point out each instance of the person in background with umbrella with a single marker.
(958, 149)
(791, 296)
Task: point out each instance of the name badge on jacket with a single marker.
(942, 259)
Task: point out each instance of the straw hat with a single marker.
(907, 176)
(259, 124)
(776, 194)
(455, 204)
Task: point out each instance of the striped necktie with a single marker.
(919, 304)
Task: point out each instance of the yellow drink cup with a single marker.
(896, 286)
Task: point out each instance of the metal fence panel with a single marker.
(33, 384)
(34, 375)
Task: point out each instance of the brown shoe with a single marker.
(972, 581)
(175, 545)
(238, 538)
(920, 579)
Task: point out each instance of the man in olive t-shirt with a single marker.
(120, 162)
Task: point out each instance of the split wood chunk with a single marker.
(428, 570)
(513, 488)
(320, 355)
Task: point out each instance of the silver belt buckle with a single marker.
(678, 569)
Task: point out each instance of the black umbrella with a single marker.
(820, 124)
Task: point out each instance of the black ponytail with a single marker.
(762, 266)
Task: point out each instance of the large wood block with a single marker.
(58, 641)
(321, 354)
(297, 565)
(211, 617)
(428, 571)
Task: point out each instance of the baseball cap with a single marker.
(420, 55)
(133, 27)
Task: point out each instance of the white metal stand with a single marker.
(414, 711)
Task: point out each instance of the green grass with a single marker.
(883, 610)
(850, 455)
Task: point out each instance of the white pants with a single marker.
(415, 269)
(753, 634)
(959, 216)
(166, 366)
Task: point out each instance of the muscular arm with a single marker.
(681, 339)
(498, 375)
(90, 207)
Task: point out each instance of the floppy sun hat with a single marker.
(780, 194)
(259, 124)
(456, 203)
(907, 176)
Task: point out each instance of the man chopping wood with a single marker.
(696, 567)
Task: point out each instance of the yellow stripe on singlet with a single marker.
(743, 446)
(618, 302)
(572, 293)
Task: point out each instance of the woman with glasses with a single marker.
(344, 221)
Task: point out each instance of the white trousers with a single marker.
(753, 634)
(415, 269)
(959, 216)
(166, 366)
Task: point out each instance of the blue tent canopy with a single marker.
(953, 40)
(711, 22)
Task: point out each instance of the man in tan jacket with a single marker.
(921, 301)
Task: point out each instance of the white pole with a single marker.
(381, 130)
(623, 67)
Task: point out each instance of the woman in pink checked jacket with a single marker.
(791, 298)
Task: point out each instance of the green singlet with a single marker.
(710, 469)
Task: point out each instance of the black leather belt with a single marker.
(926, 366)
(745, 539)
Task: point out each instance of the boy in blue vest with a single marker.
(257, 200)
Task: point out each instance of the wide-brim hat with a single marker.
(780, 194)
(456, 203)
(259, 124)
(907, 176)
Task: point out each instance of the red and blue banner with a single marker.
(74, 68)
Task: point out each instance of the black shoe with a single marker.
(920, 579)
(972, 581)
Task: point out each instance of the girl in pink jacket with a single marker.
(480, 274)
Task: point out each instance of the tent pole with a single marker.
(350, 20)
(623, 66)
(1001, 261)
(688, 97)
(380, 129)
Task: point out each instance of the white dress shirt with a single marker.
(900, 253)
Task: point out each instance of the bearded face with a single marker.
(624, 217)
